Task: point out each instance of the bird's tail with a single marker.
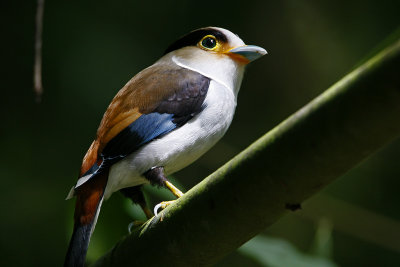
(89, 199)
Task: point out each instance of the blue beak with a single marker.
(249, 52)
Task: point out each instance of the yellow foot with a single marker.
(162, 205)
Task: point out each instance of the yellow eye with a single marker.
(209, 42)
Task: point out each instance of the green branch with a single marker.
(329, 136)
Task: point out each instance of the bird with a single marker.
(163, 119)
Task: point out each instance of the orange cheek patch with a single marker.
(238, 58)
(225, 48)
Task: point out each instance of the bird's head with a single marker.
(214, 52)
(217, 42)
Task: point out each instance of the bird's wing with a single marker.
(153, 103)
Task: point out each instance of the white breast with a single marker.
(182, 146)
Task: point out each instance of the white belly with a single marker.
(182, 146)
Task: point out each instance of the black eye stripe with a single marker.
(192, 38)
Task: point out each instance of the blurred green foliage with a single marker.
(268, 251)
(91, 49)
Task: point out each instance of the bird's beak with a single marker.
(247, 53)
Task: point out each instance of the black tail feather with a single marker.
(78, 245)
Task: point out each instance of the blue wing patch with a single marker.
(146, 128)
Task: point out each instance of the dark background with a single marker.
(92, 48)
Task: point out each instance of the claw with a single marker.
(133, 225)
(162, 205)
(155, 211)
(178, 193)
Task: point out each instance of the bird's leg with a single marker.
(156, 176)
(136, 195)
(178, 193)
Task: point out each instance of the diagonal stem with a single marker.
(347, 123)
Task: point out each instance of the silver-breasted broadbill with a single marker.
(162, 120)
